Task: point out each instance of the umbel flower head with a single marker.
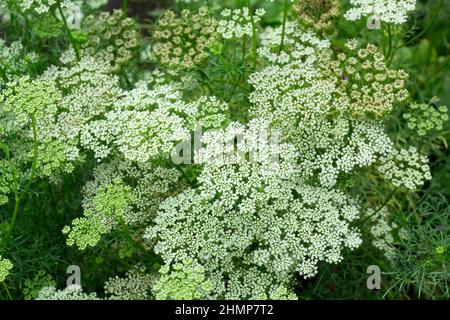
(318, 14)
(255, 215)
(389, 11)
(111, 36)
(182, 42)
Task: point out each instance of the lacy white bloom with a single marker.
(237, 23)
(42, 6)
(406, 168)
(390, 11)
(244, 217)
(298, 43)
(73, 292)
(382, 230)
(136, 285)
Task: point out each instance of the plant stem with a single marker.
(379, 209)
(255, 40)
(7, 291)
(283, 31)
(389, 41)
(18, 197)
(125, 7)
(69, 33)
(15, 184)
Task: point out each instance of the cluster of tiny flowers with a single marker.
(318, 14)
(312, 113)
(299, 44)
(38, 6)
(255, 284)
(108, 203)
(382, 231)
(239, 214)
(136, 285)
(14, 60)
(390, 11)
(30, 99)
(238, 143)
(237, 23)
(364, 78)
(73, 292)
(425, 118)
(6, 180)
(336, 147)
(112, 36)
(185, 280)
(146, 124)
(109, 207)
(88, 91)
(183, 42)
(406, 168)
(36, 284)
(5, 268)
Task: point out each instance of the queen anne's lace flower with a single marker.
(73, 292)
(136, 285)
(182, 281)
(406, 168)
(183, 42)
(425, 119)
(237, 23)
(390, 11)
(382, 231)
(318, 14)
(111, 37)
(252, 215)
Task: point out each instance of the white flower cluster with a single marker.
(389, 11)
(238, 143)
(136, 285)
(406, 168)
(132, 206)
(182, 281)
(382, 230)
(72, 292)
(42, 6)
(237, 23)
(309, 113)
(14, 60)
(145, 124)
(247, 215)
(298, 44)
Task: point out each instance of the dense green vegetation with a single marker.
(96, 95)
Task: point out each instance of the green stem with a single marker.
(3, 74)
(18, 197)
(35, 154)
(7, 291)
(389, 52)
(125, 7)
(69, 33)
(254, 37)
(283, 31)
